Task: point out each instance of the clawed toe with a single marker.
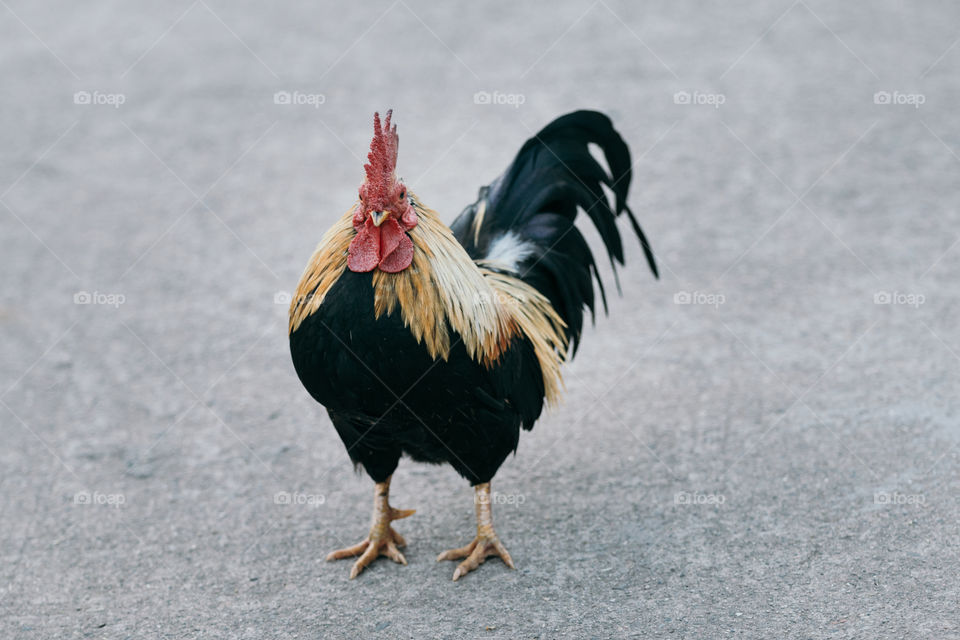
(456, 554)
(373, 546)
(476, 553)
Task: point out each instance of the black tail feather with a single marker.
(552, 177)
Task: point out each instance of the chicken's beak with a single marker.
(378, 217)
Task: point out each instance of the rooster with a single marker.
(439, 342)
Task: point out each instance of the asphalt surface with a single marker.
(776, 459)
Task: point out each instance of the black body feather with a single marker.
(387, 397)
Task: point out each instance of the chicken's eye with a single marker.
(403, 192)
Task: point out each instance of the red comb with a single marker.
(382, 156)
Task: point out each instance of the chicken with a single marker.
(441, 343)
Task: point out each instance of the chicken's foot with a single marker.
(486, 544)
(382, 540)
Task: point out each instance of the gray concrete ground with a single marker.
(777, 458)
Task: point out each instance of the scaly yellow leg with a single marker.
(486, 544)
(382, 539)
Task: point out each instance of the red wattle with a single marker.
(387, 246)
(396, 248)
(365, 249)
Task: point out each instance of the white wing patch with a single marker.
(508, 251)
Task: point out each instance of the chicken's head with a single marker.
(385, 213)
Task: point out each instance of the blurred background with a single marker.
(761, 444)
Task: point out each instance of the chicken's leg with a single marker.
(486, 543)
(382, 539)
